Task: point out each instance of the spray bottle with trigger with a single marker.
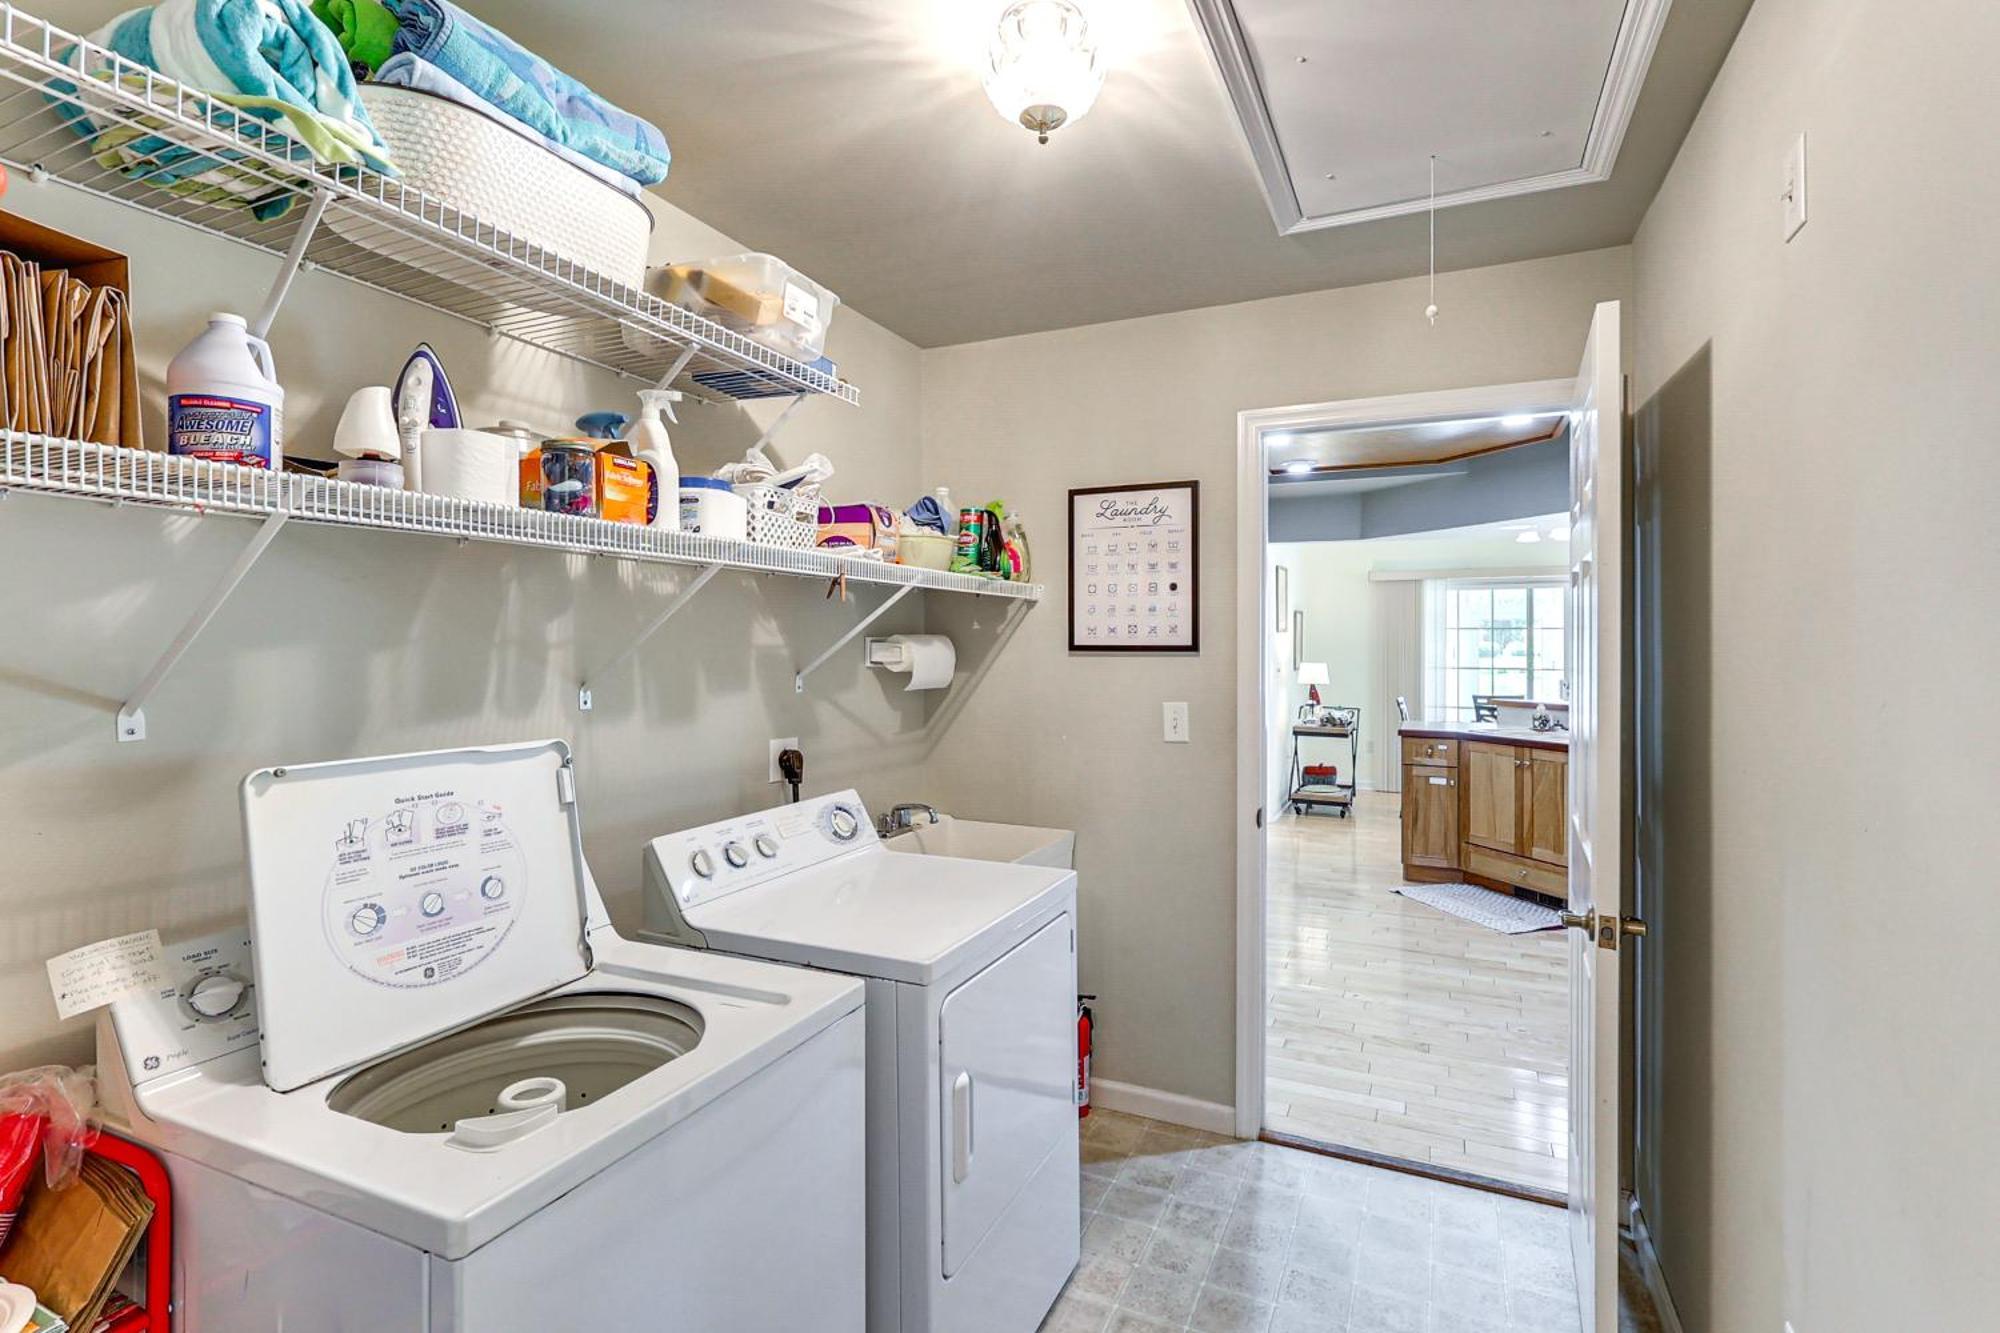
(649, 442)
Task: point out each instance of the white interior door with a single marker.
(1596, 806)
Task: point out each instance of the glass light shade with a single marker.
(1313, 673)
(1042, 68)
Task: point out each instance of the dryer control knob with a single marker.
(213, 996)
(766, 845)
(736, 854)
(702, 863)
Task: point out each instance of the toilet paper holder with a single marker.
(897, 653)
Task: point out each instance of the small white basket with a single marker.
(783, 516)
(479, 166)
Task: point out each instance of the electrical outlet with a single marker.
(1795, 188)
(1174, 723)
(788, 743)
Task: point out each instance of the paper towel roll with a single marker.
(929, 658)
(471, 465)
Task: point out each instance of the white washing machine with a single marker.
(431, 1089)
(971, 974)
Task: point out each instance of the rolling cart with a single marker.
(1307, 791)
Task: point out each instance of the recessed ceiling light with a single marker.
(1559, 533)
(1528, 538)
(1298, 466)
(1517, 422)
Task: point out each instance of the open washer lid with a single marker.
(395, 899)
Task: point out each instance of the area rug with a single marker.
(1484, 907)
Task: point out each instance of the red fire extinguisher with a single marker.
(1083, 1022)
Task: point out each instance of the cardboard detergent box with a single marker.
(66, 337)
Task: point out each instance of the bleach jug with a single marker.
(224, 402)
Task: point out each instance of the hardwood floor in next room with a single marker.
(1401, 1030)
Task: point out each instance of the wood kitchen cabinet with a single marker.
(1485, 810)
(1430, 816)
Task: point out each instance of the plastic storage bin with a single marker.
(759, 296)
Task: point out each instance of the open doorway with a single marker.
(1417, 983)
(1499, 807)
(1419, 1003)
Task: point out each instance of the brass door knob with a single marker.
(1586, 921)
(1632, 925)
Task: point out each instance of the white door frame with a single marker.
(1253, 636)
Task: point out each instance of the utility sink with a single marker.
(976, 840)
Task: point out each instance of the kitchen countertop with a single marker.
(1488, 731)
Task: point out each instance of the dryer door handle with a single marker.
(961, 1126)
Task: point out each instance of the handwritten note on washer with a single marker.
(83, 979)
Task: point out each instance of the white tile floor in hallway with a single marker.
(1399, 1029)
(1190, 1231)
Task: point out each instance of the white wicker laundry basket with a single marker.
(501, 176)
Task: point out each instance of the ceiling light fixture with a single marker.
(1516, 422)
(1528, 538)
(1043, 69)
(1559, 533)
(1299, 466)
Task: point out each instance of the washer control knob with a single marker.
(767, 846)
(702, 863)
(214, 995)
(492, 887)
(432, 904)
(842, 823)
(736, 854)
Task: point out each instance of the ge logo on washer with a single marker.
(421, 911)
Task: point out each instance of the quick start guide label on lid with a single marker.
(423, 892)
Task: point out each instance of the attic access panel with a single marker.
(1343, 102)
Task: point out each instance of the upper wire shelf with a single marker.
(416, 247)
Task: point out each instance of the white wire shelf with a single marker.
(417, 247)
(50, 466)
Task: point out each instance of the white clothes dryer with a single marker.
(971, 974)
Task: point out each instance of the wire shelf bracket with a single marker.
(294, 260)
(132, 713)
(686, 595)
(799, 680)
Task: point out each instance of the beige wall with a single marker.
(343, 643)
(1073, 740)
(1817, 425)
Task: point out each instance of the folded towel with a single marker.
(499, 70)
(420, 75)
(269, 58)
(365, 29)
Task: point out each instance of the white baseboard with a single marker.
(1649, 1269)
(1171, 1107)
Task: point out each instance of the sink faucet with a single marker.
(901, 818)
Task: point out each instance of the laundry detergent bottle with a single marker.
(224, 402)
(649, 442)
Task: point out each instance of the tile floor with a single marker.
(1402, 1030)
(1191, 1231)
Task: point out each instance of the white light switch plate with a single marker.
(1174, 723)
(1795, 188)
(777, 746)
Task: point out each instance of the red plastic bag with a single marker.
(48, 1108)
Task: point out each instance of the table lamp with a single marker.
(1312, 675)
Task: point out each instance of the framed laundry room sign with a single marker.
(1134, 558)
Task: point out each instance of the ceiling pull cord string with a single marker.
(1431, 310)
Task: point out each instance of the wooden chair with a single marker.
(1486, 707)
